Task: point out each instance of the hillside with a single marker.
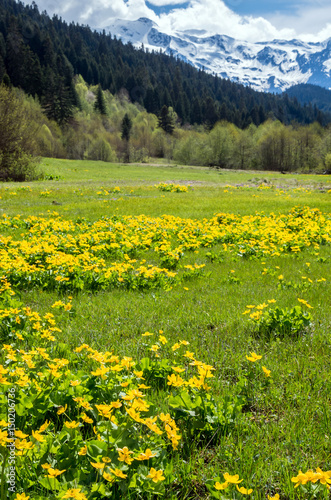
(317, 96)
(42, 55)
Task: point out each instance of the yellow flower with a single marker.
(74, 383)
(147, 334)
(156, 475)
(232, 479)
(20, 435)
(304, 302)
(301, 478)
(275, 497)
(83, 450)
(108, 477)
(324, 477)
(44, 426)
(118, 473)
(124, 455)
(38, 437)
(62, 409)
(253, 357)
(177, 369)
(75, 493)
(243, 490)
(220, 486)
(72, 425)
(54, 472)
(86, 419)
(266, 371)
(21, 497)
(146, 456)
(189, 355)
(98, 465)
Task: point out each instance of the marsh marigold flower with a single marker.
(253, 357)
(156, 475)
(243, 490)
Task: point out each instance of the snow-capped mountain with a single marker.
(267, 66)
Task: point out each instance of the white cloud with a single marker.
(215, 17)
(96, 13)
(310, 22)
(163, 3)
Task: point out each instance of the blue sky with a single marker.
(243, 7)
(251, 20)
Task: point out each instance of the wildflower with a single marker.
(83, 450)
(118, 473)
(62, 409)
(20, 435)
(98, 465)
(301, 478)
(243, 490)
(220, 486)
(75, 493)
(54, 472)
(177, 369)
(74, 383)
(38, 437)
(86, 419)
(275, 497)
(253, 357)
(124, 455)
(232, 479)
(325, 477)
(44, 426)
(156, 475)
(304, 302)
(146, 456)
(189, 355)
(176, 346)
(21, 497)
(266, 371)
(71, 425)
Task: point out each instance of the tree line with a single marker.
(112, 128)
(41, 56)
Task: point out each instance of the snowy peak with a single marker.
(267, 66)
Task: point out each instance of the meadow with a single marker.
(165, 333)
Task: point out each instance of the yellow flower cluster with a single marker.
(313, 477)
(172, 188)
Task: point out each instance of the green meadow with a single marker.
(283, 425)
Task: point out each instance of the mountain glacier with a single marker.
(271, 66)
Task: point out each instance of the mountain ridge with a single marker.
(272, 66)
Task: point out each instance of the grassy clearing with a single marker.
(284, 425)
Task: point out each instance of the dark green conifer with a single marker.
(100, 103)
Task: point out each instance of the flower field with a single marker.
(165, 342)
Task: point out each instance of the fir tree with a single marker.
(100, 103)
(126, 127)
(167, 119)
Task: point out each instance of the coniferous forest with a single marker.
(90, 96)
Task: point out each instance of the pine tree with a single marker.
(126, 127)
(167, 119)
(100, 103)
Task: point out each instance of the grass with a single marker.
(286, 425)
